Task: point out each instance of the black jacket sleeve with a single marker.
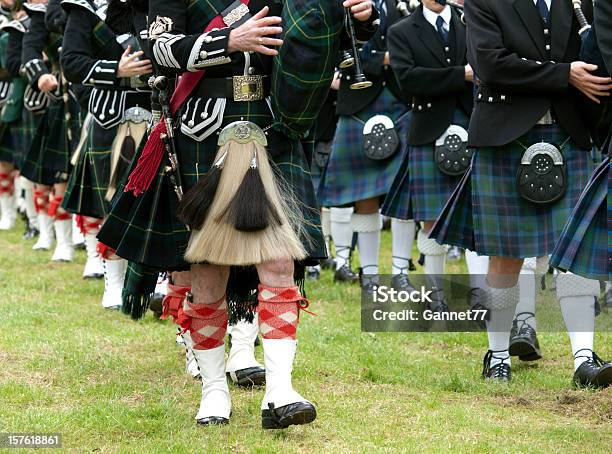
(79, 63)
(420, 80)
(55, 17)
(497, 66)
(32, 52)
(13, 52)
(174, 49)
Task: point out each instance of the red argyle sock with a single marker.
(207, 323)
(6, 183)
(172, 304)
(278, 311)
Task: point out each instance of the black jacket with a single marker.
(520, 79)
(603, 20)
(432, 73)
(372, 56)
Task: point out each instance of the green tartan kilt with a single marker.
(583, 246)
(16, 137)
(487, 215)
(145, 229)
(47, 160)
(90, 177)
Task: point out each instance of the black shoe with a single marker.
(79, 246)
(30, 233)
(288, 415)
(328, 264)
(593, 373)
(437, 303)
(156, 304)
(249, 377)
(524, 340)
(213, 421)
(400, 282)
(500, 373)
(475, 300)
(345, 274)
(312, 273)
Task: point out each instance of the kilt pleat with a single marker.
(16, 137)
(47, 160)
(503, 223)
(350, 176)
(89, 180)
(420, 190)
(583, 245)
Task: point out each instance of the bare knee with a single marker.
(368, 206)
(504, 271)
(208, 283)
(277, 273)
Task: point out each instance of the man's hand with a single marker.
(47, 83)
(387, 59)
(335, 85)
(469, 73)
(256, 35)
(361, 9)
(592, 86)
(130, 65)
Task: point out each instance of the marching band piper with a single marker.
(47, 163)
(217, 159)
(102, 50)
(428, 56)
(369, 146)
(531, 162)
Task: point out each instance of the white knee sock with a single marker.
(403, 238)
(527, 297)
(326, 228)
(342, 234)
(368, 227)
(478, 267)
(501, 303)
(435, 254)
(577, 300)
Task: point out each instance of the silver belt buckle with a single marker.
(248, 88)
(136, 115)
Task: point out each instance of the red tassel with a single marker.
(148, 163)
(105, 251)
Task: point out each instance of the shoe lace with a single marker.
(593, 359)
(401, 280)
(499, 370)
(522, 327)
(438, 303)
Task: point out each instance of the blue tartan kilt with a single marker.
(146, 231)
(350, 176)
(420, 190)
(89, 180)
(583, 246)
(47, 160)
(487, 215)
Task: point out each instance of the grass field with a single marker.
(108, 384)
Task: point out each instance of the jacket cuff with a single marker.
(34, 69)
(210, 49)
(103, 72)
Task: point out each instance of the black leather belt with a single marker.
(238, 88)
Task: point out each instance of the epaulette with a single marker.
(35, 8)
(13, 25)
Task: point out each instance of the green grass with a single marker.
(109, 384)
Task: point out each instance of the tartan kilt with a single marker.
(145, 229)
(420, 190)
(583, 246)
(350, 176)
(47, 160)
(89, 180)
(487, 215)
(315, 170)
(16, 137)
